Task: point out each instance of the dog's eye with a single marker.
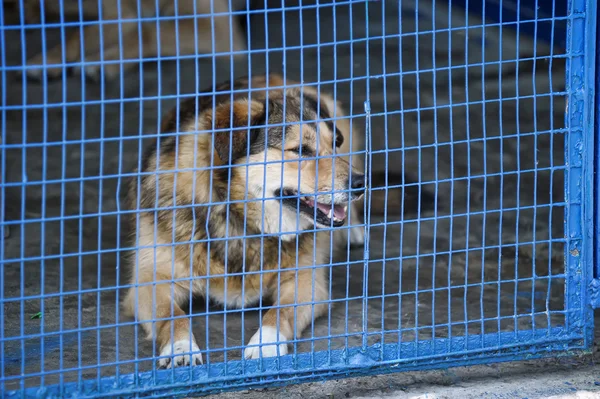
(304, 151)
(339, 139)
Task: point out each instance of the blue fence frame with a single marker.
(595, 289)
(581, 251)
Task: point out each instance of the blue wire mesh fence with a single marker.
(124, 147)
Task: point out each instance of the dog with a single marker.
(124, 35)
(244, 229)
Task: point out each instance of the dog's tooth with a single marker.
(345, 208)
(330, 214)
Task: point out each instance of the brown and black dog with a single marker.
(123, 34)
(243, 170)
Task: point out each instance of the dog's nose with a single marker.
(358, 182)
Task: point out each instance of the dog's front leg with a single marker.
(308, 287)
(160, 305)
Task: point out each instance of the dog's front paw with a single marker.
(356, 227)
(269, 335)
(357, 236)
(37, 68)
(95, 71)
(180, 353)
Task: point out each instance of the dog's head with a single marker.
(283, 152)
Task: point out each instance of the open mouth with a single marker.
(327, 215)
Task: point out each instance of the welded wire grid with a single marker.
(487, 263)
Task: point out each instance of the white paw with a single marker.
(34, 73)
(38, 66)
(179, 354)
(95, 71)
(265, 336)
(357, 235)
(92, 72)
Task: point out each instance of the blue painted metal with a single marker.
(579, 182)
(595, 293)
(305, 367)
(582, 229)
(596, 202)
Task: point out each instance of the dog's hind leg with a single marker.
(192, 36)
(117, 59)
(93, 38)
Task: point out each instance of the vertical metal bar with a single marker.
(3, 176)
(366, 254)
(367, 109)
(592, 116)
(595, 22)
(579, 152)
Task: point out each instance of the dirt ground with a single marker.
(488, 139)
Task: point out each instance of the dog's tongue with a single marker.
(338, 211)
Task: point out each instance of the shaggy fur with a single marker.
(244, 228)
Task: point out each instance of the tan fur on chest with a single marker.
(233, 282)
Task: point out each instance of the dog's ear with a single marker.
(242, 117)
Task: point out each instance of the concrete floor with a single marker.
(426, 95)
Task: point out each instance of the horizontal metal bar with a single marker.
(456, 351)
